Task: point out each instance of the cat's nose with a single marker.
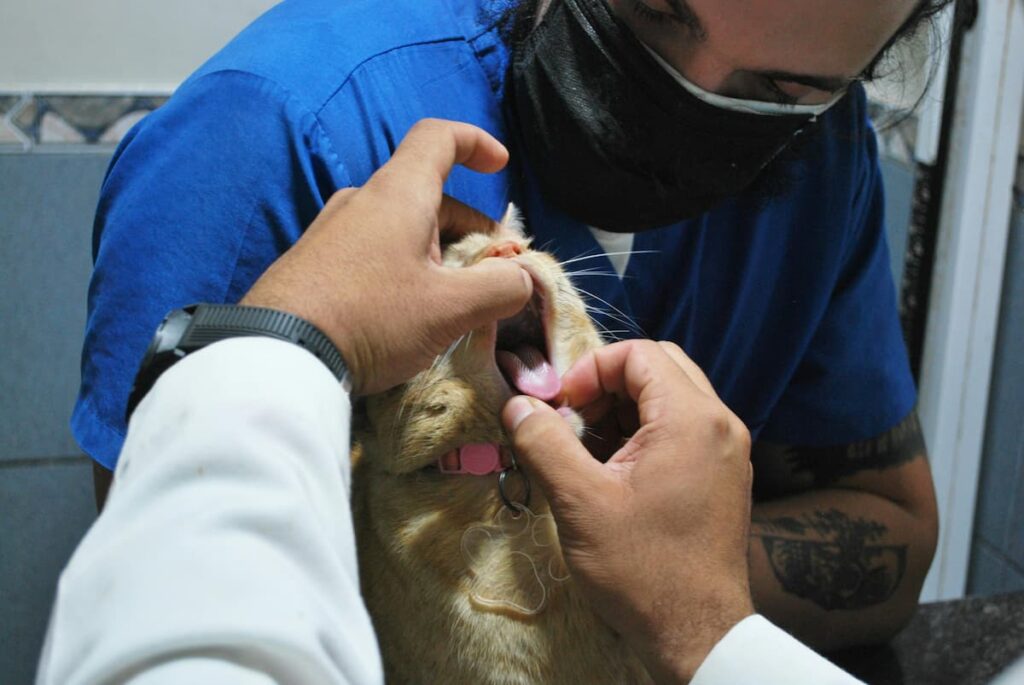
(507, 249)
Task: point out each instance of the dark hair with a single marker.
(517, 21)
(923, 14)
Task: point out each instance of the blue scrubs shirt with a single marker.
(789, 306)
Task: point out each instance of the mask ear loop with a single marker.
(515, 507)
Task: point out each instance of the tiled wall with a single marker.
(48, 191)
(39, 122)
(997, 563)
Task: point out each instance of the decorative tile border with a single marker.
(56, 123)
(32, 123)
(39, 123)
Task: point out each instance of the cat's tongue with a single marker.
(530, 372)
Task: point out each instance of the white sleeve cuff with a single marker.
(756, 651)
(227, 544)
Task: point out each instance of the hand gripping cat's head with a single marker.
(459, 590)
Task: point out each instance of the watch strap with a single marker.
(191, 328)
(214, 322)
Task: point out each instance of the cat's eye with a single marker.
(436, 409)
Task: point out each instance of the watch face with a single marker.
(160, 355)
(166, 339)
(168, 335)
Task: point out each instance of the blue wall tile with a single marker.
(1014, 579)
(899, 183)
(1000, 512)
(1010, 375)
(46, 208)
(45, 509)
(988, 571)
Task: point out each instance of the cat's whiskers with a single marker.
(446, 356)
(607, 334)
(592, 253)
(616, 334)
(610, 336)
(439, 361)
(586, 257)
(591, 272)
(545, 246)
(622, 317)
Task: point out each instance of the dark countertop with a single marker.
(963, 642)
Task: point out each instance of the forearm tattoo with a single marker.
(831, 559)
(826, 465)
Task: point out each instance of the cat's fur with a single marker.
(424, 585)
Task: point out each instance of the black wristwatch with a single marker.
(186, 330)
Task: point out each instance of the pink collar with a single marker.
(480, 459)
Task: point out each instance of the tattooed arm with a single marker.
(842, 537)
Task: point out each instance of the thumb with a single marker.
(547, 448)
(487, 291)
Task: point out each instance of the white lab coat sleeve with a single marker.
(1014, 675)
(756, 651)
(226, 552)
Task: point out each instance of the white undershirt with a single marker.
(617, 246)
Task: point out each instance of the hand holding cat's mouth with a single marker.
(523, 346)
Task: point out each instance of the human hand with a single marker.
(368, 271)
(656, 538)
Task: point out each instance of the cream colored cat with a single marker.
(460, 590)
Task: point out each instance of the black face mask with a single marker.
(614, 140)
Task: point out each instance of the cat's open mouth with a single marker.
(523, 347)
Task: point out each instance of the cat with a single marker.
(462, 587)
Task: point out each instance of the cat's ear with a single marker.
(513, 221)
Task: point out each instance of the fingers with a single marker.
(485, 292)
(623, 369)
(689, 367)
(433, 146)
(455, 220)
(548, 449)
